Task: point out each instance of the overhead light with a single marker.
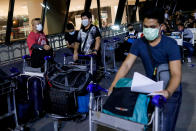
(24, 7)
(44, 6)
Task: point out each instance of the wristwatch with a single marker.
(94, 50)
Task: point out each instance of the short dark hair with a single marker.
(87, 14)
(129, 25)
(181, 24)
(70, 26)
(155, 13)
(35, 19)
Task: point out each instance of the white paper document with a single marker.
(143, 84)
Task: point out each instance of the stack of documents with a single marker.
(143, 84)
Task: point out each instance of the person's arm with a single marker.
(97, 44)
(124, 69)
(30, 42)
(175, 78)
(187, 34)
(76, 47)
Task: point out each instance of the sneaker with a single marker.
(189, 60)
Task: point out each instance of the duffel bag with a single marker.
(138, 109)
(70, 78)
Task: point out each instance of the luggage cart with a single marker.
(9, 92)
(97, 117)
(28, 70)
(84, 65)
(109, 46)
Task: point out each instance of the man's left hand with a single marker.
(94, 53)
(165, 93)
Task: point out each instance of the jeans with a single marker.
(189, 47)
(170, 111)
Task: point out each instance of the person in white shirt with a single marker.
(187, 41)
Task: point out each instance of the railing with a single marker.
(14, 52)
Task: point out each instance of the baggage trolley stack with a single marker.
(109, 46)
(67, 87)
(7, 89)
(97, 117)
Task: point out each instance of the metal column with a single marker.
(99, 13)
(120, 10)
(66, 15)
(44, 9)
(87, 5)
(9, 21)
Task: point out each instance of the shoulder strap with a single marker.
(83, 46)
(152, 61)
(150, 54)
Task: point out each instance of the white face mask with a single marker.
(72, 33)
(39, 27)
(85, 22)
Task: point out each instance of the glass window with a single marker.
(75, 10)
(4, 5)
(108, 12)
(55, 16)
(24, 12)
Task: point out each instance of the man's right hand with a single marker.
(110, 90)
(75, 56)
(126, 38)
(47, 47)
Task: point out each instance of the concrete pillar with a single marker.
(34, 9)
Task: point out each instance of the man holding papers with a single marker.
(155, 49)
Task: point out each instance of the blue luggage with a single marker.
(29, 97)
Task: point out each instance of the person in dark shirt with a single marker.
(164, 50)
(71, 36)
(131, 35)
(89, 38)
(190, 22)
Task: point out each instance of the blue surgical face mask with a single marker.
(85, 22)
(151, 33)
(72, 33)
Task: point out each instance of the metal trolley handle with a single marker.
(91, 56)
